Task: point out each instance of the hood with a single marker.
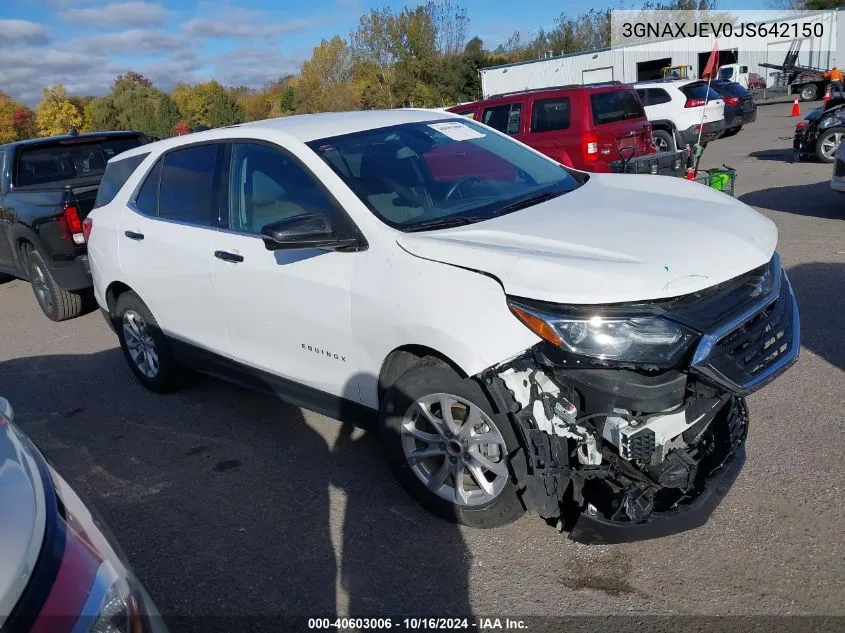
(22, 516)
(617, 238)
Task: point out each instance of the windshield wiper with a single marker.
(528, 201)
(446, 222)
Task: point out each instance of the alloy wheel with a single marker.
(830, 143)
(140, 343)
(660, 144)
(455, 449)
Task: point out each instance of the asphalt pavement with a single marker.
(231, 503)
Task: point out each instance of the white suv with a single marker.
(525, 335)
(682, 110)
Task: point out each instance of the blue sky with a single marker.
(84, 44)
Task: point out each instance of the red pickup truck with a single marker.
(594, 127)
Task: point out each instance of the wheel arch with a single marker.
(402, 358)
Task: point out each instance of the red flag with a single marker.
(712, 67)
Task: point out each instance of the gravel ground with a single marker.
(227, 502)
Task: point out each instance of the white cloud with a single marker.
(17, 32)
(253, 67)
(123, 14)
(133, 42)
(240, 23)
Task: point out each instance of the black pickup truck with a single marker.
(47, 187)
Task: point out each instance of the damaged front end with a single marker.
(647, 448)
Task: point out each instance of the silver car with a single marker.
(837, 182)
(61, 572)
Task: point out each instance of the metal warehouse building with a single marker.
(640, 62)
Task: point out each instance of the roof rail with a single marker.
(548, 88)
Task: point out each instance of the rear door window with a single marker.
(657, 96)
(117, 173)
(700, 91)
(190, 185)
(505, 118)
(615, 105)
(69, 159)
(147, 199)
(548, 115)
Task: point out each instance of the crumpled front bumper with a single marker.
(593, 529)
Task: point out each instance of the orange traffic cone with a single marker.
(796, 111)
(826, 95)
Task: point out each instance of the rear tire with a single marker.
(663, 141)
(438, 459)
(56, 303)
(732, 132)
(809, 92)
(145, 347)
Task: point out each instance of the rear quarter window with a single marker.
(117, 173)
(548, 115)
(615, 105)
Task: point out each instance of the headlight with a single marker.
(636, 339)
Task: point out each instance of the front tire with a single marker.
(56, 303)
(448, 449)
(827, 143)
(144, 345)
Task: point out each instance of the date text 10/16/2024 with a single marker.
(417, 624)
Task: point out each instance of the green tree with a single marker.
(135, 104)
(208, 104)
(287, 101)
(17, 121)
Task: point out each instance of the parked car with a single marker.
(837, 182)
(740, 109)
(682, 111)
(595, 127)
(62, 571)
(821, 132)
(47, 187)
(525, 334)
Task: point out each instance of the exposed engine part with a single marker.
(583, 445)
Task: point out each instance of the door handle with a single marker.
(228, 257)
(132, 235)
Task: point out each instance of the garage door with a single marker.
(597, 75)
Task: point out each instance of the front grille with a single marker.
(839, 169)
(758, 348)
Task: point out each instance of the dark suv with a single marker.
(594, 127)
(47, 187)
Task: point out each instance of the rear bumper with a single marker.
(660, 164)
(749, 116)
(73, 275)
(710, 132)
(594, 529)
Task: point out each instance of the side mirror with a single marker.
(309, 230)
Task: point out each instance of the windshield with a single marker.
(69, 160)
(424, 175)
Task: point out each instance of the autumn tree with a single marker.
(325, 82)
(57, 114)
(17, 121)
(208, 104)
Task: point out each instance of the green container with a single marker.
(722, 180)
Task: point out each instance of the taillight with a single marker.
(732, 101)
(87, 225)
(694, 103)
(590, 146)
(73, 223)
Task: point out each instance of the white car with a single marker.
(837, 182)
(681, 111)
(525, 335)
